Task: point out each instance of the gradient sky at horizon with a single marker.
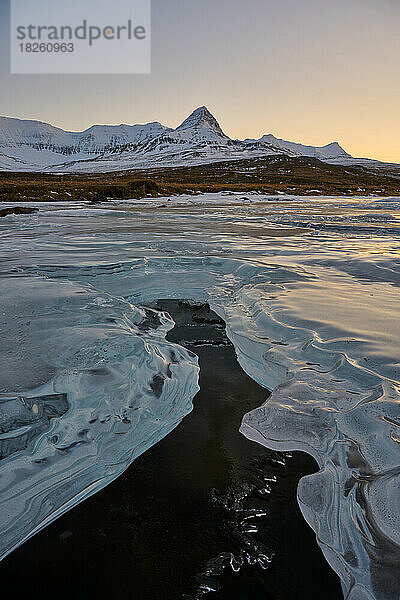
(312, 71)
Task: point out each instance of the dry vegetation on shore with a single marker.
(300, 176)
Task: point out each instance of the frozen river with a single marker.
(309, 291)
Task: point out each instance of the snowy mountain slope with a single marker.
(330, 151)
(37, 146)
(40, 144)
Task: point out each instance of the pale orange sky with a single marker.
(311, 71)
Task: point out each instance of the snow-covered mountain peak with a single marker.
(330, 151)
(27, 145)
(202, 118)
(336, 150)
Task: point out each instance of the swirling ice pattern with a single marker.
(91, 382)
(88, 384)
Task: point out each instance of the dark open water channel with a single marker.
(205, 509)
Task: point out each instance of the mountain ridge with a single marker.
(37, 146)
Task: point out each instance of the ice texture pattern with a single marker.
(309, 291)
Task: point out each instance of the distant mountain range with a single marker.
(36, 146)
